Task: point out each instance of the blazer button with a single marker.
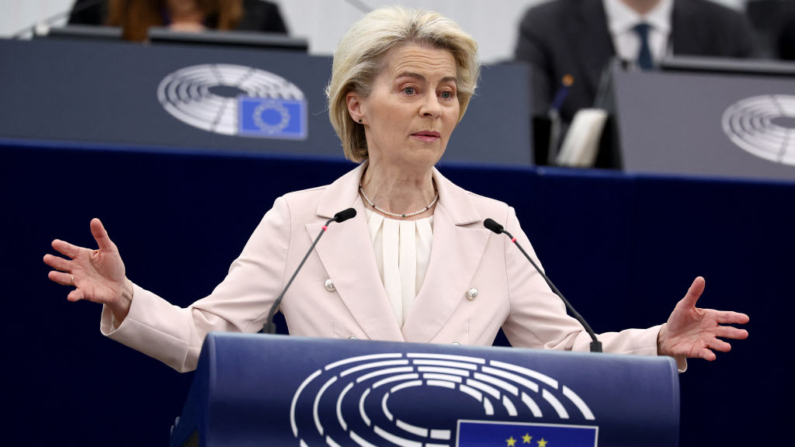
(472, 294)
(353, 337)
(329, 285)
(455, 343)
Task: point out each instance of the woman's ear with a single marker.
(355, 106)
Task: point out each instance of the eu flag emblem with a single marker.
(272, 118)
(507, 434)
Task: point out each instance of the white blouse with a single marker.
(402, 252)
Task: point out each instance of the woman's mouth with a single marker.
(427, 136)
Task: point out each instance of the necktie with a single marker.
(645, 61)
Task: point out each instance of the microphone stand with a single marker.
(596, 345)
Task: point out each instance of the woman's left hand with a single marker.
(692, 332)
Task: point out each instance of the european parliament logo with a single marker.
(487, 433)
(763, 126)
(467, 402)
(235, 100)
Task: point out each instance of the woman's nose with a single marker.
(431, 108)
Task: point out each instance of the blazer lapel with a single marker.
(347, 256)
(455, 255)
(590, 41)
(688, 37)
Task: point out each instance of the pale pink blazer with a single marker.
(465, 255)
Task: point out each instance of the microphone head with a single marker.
(344, 215)
(493, 226)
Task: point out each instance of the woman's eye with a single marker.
(409, 90)
(447, 95)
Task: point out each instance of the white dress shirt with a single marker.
(621, 19)
(402, 253)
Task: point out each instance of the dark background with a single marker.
(623, 248)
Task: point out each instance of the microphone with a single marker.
(270, 327)
(596, 345)
(344, 215)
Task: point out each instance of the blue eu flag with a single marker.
(272, 118)
(506, 434)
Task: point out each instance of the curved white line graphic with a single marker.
(361, 406)
(749, 125)
(385, 409)
(440, 383)
(458, 358)
(532, 405)
(295, 400)
(586, 412)
(317, 404)
(413, 429)
(446, 363)
(562, 413)
(436, 369)
(528, 372)
(339, 405)
(487, 406)
(395, 379)
(475, 378)
(355, 369)
(497, 382)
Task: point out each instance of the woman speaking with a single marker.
(415, 264)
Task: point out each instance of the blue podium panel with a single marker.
(278, 390)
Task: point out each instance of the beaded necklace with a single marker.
(399, 215)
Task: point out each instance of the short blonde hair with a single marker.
(358, 60)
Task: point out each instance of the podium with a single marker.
(280, 390)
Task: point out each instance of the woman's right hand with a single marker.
(97, 275)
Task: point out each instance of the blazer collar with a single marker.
(347, 255)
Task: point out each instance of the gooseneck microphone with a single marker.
(596, 345)
(342, 216)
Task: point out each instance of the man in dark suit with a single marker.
(579, 37)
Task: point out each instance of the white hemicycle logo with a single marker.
(764, 126)
(209, 97)
(367, 383)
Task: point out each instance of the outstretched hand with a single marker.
(693, 332)
(98, 275)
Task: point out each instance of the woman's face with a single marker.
(412, 109)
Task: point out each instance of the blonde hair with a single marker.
(359, 56)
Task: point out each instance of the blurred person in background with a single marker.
(579, 37)
(135, 17)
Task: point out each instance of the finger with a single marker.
(58, 263)
(101, 235)
(65, 248)
(720, 345)
(727, 317)
(64, 279)
(708, 355)
(75, 295)
(731, 332)
(694, 292)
